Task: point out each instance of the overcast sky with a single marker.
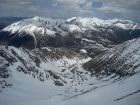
(103, 9)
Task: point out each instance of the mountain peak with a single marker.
(36, 17)
(76, 27)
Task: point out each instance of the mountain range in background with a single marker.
(5, 21)
(77, 32)
(69, 62)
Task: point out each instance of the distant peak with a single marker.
(36, 18)
(119, 20)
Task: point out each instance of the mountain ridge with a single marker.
(81, 32)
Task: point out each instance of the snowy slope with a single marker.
(25, 72)
(40, 24)
(124, 60)
(40, 63)
(56, 76)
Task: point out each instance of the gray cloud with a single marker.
(68, 8)
(123, 9)
(71, 2)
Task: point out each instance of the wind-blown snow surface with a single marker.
(65, 82)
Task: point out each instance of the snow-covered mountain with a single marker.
(73, 24)
(40, 32)
(92, 23)
(124, 60)
(56, 76)
(48, 61)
